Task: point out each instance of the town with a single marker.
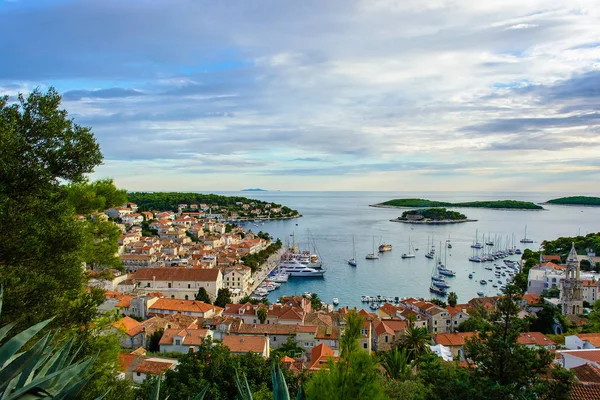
(167, 296)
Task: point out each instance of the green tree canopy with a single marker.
(202, 295)
(223, 297)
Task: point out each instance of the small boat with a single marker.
(373, 255)
(438, 291)
(494, 285)
(480, 293)
(409, 254)
(385, 247)
(336, 301)
(483, 282)
(525, 238)
(429, 255)
(446, 272)
(470, 276)
(352, 261)
(442, 285)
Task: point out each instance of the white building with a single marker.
(583, 341)
(179, 283)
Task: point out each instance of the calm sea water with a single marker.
(333, 218)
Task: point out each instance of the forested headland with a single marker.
(496, 204)
(576, 201)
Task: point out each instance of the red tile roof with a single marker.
(453, 339)
(319, 356)
(585, 391)
(535, 338)
(587, 373)
(590, 355)
(129, 326)
(246, 344)
(592, 338)
(532, 298)
(182, 306)
(154, 367)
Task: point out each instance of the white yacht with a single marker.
(336, 301)
(299, 270)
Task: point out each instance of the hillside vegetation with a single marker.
(500, 204)
(576, 200)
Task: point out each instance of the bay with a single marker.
(333, 218)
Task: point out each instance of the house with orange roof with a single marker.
(387, 310)
(543, 277)
(152, 366)
(536, 339)
(306, 336)
(387, 332)
(247, 344)
(194, 308)
(131, 333)
(319, 357)
(457, 314)
(454, 341)
(591, 290)
(183, 340)
(574, 358)
(277, 333)
(583, 341)
(328, 335)
(237, 277)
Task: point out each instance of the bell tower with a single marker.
(572, 288)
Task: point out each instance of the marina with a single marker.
(334, 218)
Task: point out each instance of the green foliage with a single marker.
(315, 302)
(202, 295)
(437, 302)
(562, 245)
(416, 341)
(101, 245)
(404, 390)
(452, 299)
(435, 214)
(354, 376)
(41, 370)
(213, 366)
(397, 363)
(223, 297)
(290, 348)
(154, 339)
(576, 200)
(255, 260)
(100, 195)
(43, 245)
(543, 321)
(501, 204)
(262, 314)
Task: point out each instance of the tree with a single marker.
(509, 369)
(415, 341)
(223, 297)
(452, 299)
(262, 314)
(154, 339)
(315, 302)
(202, 295)
(290, 348)
(354, 376)
(397, 363)
(437, 302)
(43, 245)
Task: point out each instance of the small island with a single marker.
(432, 216)
(576, 201)
(254, 190)
(495, 204)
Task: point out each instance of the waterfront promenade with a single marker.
(261, 274)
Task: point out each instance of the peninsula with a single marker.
(231, 208)
(432, 216)
(496, 204)
(254, 190)
(576, 201)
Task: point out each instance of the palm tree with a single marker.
(452, 299)
(415, 341)
(262, 314)
(397, 363)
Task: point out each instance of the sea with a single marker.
(330, 221)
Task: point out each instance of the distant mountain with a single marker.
(254, 190)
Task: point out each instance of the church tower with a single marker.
(572, 290)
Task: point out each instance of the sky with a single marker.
(321, 95)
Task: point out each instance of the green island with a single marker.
(432, 216)
(498, 204)
(576, 201)
(232, 207)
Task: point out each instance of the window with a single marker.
(254, 321)
(186, 296)
(435, 322)
(138, 374)
(177, 342)
(365, 345)
(148, 284)
(169, 284)
(306, 344)
(435, 329)
(189, 286)
(274, 338)
(387, 338)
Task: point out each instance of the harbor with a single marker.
(336, 218)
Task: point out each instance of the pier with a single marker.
(262, 273)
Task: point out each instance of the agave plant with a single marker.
(280, 389)
(43, 371)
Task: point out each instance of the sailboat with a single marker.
(438, 284)
(442, 269)
(409, 254)
(352, 261)
(525, 239)
(373, 255)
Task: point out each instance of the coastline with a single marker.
(431, 222)
(572, 205)
(477, 208)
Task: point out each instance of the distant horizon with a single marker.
(337, 95)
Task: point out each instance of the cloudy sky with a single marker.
(321, 94)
